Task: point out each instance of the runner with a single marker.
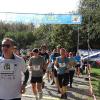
(71, 69)
(49, 67)
(54, 71)
(61, 65)
(46, 57)
(37, 65)
(11, 68)
(78, 60)
(16, 51)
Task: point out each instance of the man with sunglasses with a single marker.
(11, 68)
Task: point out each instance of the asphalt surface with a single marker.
(79, 91)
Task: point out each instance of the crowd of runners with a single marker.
(58, 65)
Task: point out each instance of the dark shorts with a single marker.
(55, 72)
(78, 65)
(13, 99)
(63, 79)
(36, 79)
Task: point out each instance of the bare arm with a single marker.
(56, 65)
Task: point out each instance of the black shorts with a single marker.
(63, 79)
(55, 72)
(36, 79)
(78, 65)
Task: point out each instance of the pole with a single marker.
(78, 40)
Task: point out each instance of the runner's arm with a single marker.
(26, 77)
(56, 65)
(44, 66)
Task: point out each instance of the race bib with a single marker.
(36, 67)
(78, 62)
(7, 71)
(62, 64)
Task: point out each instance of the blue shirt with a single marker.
(62, 65)
(77, 58)
(53, 56)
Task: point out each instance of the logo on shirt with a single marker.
(7, 66)
(7, 70)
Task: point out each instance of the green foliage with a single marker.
(99, 87)
(90, 10)
(52, 35)
(61, 35)
(96, 80)
(23, 39)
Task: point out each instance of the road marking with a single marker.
(44, 97)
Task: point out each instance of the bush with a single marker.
(99, 87)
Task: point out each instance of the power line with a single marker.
(39, 13)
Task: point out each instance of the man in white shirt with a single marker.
(11, 68)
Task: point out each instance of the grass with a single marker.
(95, 74)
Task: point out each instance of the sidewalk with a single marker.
(80, 91)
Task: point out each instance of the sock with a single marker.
(64, 88)
(35, 94)
(40, 95)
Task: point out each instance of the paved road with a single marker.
(79, 91)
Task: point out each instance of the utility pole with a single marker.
(78, 41)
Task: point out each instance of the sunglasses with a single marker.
(6, 45)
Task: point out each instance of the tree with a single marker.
(63, 35)
(22, 39)
(91, 20)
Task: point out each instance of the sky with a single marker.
(37, 6)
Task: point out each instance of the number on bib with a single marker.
(36, 67)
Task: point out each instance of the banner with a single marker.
(42, 18)
(57, 19)
(93, 55)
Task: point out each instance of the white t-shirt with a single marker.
(11, 77)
